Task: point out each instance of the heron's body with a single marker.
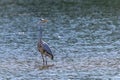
(43, 47)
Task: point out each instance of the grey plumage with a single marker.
(42, 46)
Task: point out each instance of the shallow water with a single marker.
(83, 35)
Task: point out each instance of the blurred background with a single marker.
(84, 36)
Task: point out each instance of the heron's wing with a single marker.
(46, 47)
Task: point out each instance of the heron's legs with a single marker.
(43, 59)
(46, 60)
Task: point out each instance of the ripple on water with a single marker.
(85, 42)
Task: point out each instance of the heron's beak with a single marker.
(44, 20)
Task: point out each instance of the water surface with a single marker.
(83, 35)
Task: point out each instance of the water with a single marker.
(83, 35)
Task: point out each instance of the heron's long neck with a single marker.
(40, 33)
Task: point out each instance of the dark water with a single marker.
(84, 36)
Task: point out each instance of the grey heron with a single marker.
(42, 46)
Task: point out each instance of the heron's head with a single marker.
(43, 20)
